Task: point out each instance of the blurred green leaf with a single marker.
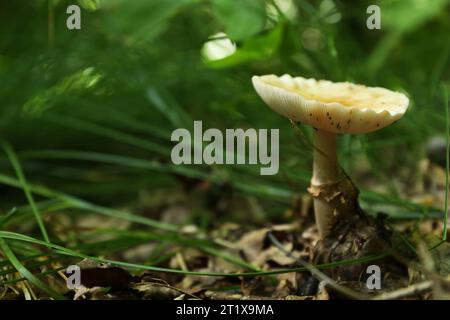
(405, 16)
(242, 18)
(91, 5)
(74, 84)
(140, 20)
(255, 48)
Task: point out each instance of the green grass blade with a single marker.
(447, 169)
(40, 274)
(4, 219)
(85, 205)
(26, 189)
(65, 251)
(207, 246)
(25, 272)
(109, 133)
(167, 105)
(447, 163)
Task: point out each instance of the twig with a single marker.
(408, 291)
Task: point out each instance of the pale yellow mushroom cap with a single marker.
(339, 107)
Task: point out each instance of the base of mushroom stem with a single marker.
(334, 202)
(360, 237)
(351, 234)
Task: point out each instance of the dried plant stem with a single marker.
(405, 292)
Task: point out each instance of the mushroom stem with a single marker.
(325, 167)
(325, 172)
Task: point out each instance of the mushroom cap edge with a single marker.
(283, 95)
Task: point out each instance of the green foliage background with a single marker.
(89, 112)
(86, 117)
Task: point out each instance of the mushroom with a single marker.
(331, 108)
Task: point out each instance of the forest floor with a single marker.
(230, 260)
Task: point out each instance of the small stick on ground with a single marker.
(405, 292)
